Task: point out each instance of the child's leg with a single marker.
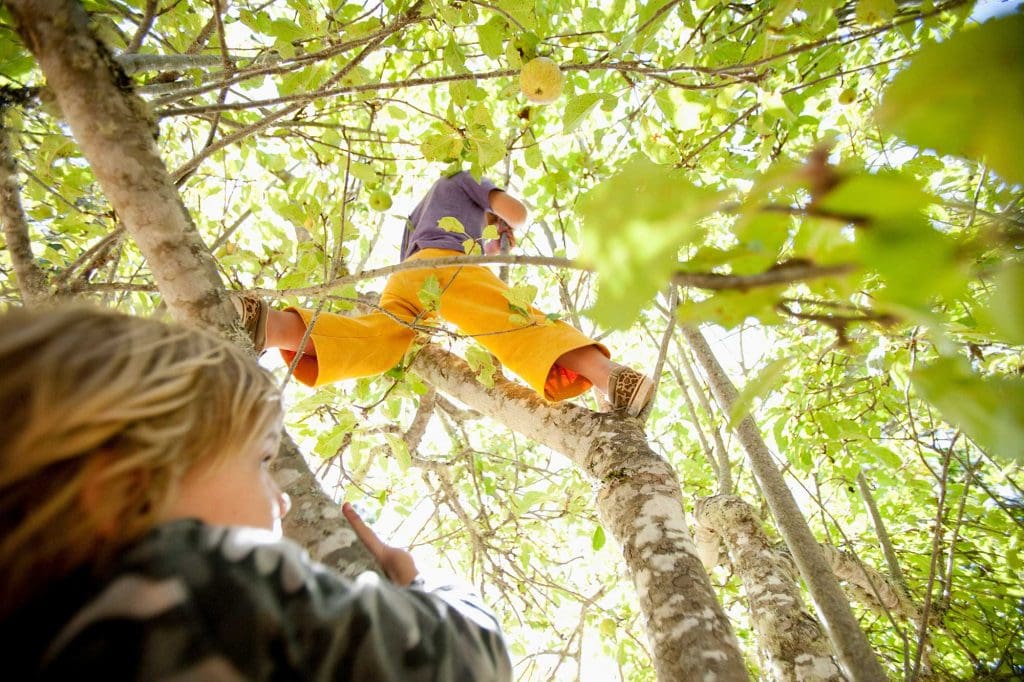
(285, 329)
(591, 363)
(473, 299)
(342, 347)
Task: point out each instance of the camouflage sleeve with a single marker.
(246, 607)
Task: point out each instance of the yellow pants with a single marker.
(472, 299)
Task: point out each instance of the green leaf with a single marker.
(989, 409)
(964, 96)
(451, 224)
(871, 12)
(521, 296)
(577, 109)
(1007, 306)
(731, 308)
(489, 151)
(400, 450)
(286, 30)
(454, 59)
(766, 381)
(481, 362)
(441, 146)
(884, 455)
(597, 540)
(530, 499)
(522, 11)
(364, 172)
(492, 37)
(430, 293)
(635, 223)
(490, 232)
(916, 261)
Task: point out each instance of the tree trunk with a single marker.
(851, 645)
(638, 500)
(791, 639)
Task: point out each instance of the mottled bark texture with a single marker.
(639, 501)
(31, 279)
(113, 128)
(879, 592)
(848, 640)
(315, 521)
(792, 643)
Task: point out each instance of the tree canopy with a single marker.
(831, 189)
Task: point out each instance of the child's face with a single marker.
(233, 491)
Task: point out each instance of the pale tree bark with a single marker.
(879, 592)
(110, 125)
(315, 521)
(848, 640)
(791, 640)
(638, 500)
(31, 279)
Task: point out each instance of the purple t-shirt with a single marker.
(460, 197)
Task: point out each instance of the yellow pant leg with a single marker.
(473, 299)
(352, 347)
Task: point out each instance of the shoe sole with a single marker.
(641, 398)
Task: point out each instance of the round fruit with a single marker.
(540, 80)
(380, 200)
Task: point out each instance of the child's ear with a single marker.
(105, 498)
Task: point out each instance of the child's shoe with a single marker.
(254, 312)
(629, 390)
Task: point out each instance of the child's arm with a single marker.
(240, 605)
(508, 208)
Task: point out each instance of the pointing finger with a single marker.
(364, 532)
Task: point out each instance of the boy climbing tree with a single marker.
(555, 359)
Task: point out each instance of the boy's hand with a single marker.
(506, 230)
(397, 563)
(493, 247)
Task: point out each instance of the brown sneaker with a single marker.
(254, 312)
(629, 390)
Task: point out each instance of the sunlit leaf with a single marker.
(964, 96)
(988, 409)
(767, 380)
(635, 225)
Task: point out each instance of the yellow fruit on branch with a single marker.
(541, 80)
(380, 200)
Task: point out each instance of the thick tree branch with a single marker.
(792, 640)
(111, 126)
(871, 588)
(639, 501)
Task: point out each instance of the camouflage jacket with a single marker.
(198, 602)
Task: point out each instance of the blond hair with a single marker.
(116, 404)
